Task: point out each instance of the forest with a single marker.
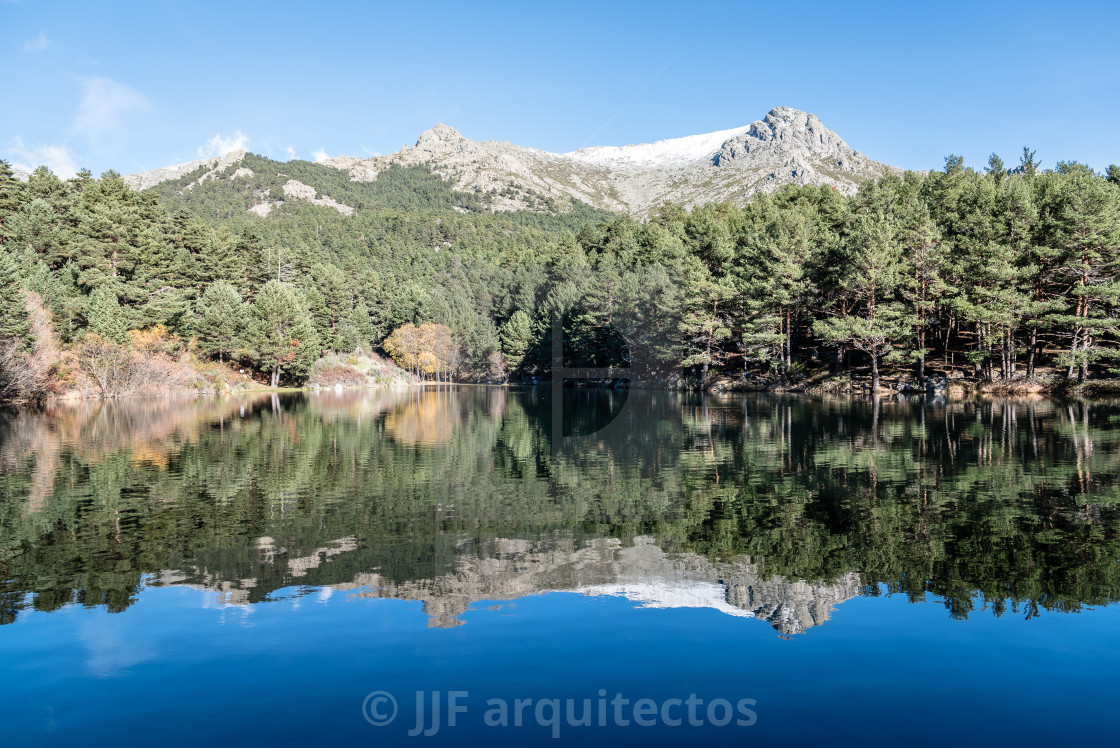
(991, 275)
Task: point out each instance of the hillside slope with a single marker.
(787, 146)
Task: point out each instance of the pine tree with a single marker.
(41, 229)
(774, 284)
(876, 273)
(331, 301)
(281, 333)
(1028, 166)
(516, 336)
(103, 315)
(360, 321)
(253, 255)
(1084, 222)
(11, 197)
(996, 169)
(14, 322)
(220, 319)
(920, 241)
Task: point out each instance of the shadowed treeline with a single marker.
(1001, 504)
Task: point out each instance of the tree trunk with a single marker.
(921, 355)
(1086, 341)
(1005, 358)
(1034, 347)
(978, 367)
(988, 350)
(707, 361)
(276, 375)
(1011, 351)
(789, 342)
(1073, 353)
(874, 373)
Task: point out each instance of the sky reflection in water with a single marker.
(269, 562)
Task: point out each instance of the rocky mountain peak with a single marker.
(216, 164)
(440, 140)
(787, 146)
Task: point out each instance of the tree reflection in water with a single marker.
(777, 507)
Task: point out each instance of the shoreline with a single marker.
(957, 389)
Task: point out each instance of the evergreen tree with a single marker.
(922, 249)
(996, 169)
(1028, 166)
(220, 319)
(14, 324)
(774, 282)
(103, 315)
(41, 229)
(359, 321)
(281, 333)
(1085, 223)
(876, 274)
(11, 197)
(516, 336)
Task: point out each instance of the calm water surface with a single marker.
(759, 569)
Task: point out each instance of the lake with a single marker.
(472, 564)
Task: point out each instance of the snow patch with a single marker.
(672, 152)
(669, 594)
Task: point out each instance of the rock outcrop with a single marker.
(787, 146)
(641, 572)
(294, 190)
(216, 164)
(506, 569)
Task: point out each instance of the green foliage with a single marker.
(991, 506)
(14, 323)
(220, 319)
(281, 332)
(516, 335)
(103, 315)
(1011, 271)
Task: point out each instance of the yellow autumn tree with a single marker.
(428, 349)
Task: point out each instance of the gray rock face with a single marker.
(788, 146)
(216, 164)
(641, 572)
(507, 569)
(298, 190)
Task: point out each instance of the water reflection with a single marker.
(771, 507)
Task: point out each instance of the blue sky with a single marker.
(135, 86)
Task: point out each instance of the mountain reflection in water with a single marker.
(771, 507)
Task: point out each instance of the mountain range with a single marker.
(787, 146)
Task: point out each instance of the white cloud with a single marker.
(220, 145)
(370, 152)
(104, 104)
(320, 155)
(57, 158)
(291, 152)
(38, 44)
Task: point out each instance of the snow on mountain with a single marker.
(660, 593)
(787, 146)
(671, 152)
